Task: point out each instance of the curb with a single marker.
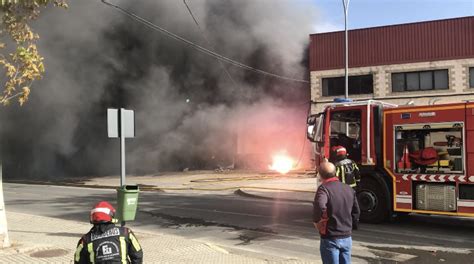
(142, 188)
(240, 190)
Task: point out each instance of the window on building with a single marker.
(471, 77)
(420, 81)
(360, 84)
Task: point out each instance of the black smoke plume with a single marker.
(189, 113)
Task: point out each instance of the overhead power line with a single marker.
(197, 47)
(209, 42)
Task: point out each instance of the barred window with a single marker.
(360, 84)
(420, 81)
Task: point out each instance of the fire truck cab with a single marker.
(413, 159)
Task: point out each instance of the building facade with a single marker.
(418, 63)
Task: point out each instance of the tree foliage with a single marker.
(22, 63)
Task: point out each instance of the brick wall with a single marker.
(458, 74)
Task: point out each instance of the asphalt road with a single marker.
(254, 226)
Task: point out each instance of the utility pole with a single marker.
(345, 3)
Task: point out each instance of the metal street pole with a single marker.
(122, 148)
(345, 3)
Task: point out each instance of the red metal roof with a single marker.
(422, 41)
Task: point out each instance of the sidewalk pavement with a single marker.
(37, 239)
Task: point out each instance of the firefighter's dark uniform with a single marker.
(107, 243)
(347, 172)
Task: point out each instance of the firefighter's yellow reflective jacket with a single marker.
(107, 243)
(348, 172)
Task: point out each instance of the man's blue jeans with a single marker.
(336, 251)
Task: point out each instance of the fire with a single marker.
(282, 163)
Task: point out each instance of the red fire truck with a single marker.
(413, 159)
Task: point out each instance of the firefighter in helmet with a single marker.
(105, 242)
(346, 169)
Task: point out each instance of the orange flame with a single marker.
(282, 163)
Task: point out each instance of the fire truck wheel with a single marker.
(372, 201)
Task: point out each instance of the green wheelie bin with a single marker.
(127, 202)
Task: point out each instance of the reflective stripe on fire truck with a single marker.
(406, 199)
(436, 178)
(465, 203)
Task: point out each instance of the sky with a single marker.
(372, 13)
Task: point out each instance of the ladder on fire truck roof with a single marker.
(367, 103)
(363, 102)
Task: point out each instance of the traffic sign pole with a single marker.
(122, 148)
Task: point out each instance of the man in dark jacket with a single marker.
(335, 213)
(107, 243)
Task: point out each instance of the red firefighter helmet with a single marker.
(102, 212)
(339, 152)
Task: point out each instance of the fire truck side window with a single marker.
(429, 148)
(345, 131)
